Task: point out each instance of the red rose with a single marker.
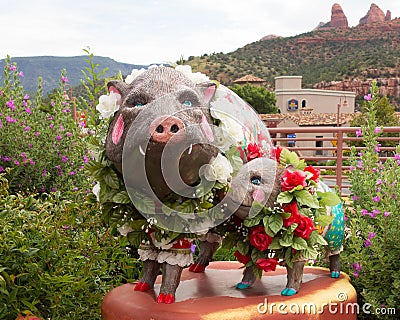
(292, 179)
(315, 172)
(277, 153)
(267, 264)
(259, 239)
(253, 151)
(293, 210)
(242, 258)
(305, 226)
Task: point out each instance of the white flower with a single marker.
(229, 126)
(108, 104)
(219, 169)
(196, 77)
(133, 75)
(125, 229)
(96, 191)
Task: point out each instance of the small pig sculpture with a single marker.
(289, 226)
(173, 144)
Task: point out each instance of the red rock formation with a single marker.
(388, 15)
(338, 19)
(269, 37)
(374, 14)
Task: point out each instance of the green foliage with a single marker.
(260, 98)
(40, 142)
(384, 117)
(372, 248)
(57, 260)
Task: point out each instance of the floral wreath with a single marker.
(237, 146)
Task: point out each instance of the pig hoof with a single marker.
(161, 298)
(288, 292)
(335, 274)
(196, 267)
(142, 286)
(243, 285)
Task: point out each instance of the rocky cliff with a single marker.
(374, 14)
(338, 19)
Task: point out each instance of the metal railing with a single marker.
(321, 144)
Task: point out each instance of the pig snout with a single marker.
(164, 128)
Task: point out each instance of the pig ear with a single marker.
(208, 89)
(119, 87)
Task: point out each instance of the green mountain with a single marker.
(49, 68)
(336, 54)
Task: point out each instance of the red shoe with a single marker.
(142, 286)
(196, 267)
(169, 298)
(161, 298)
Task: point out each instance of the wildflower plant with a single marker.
(372, 248)
(42, 144)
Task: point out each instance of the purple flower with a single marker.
(1, 93)
(377, 130)
(377, 148)
(16, 162)
(58, 167)
(64, 159)
(371, 235)
(354, 198)
(26, 97)
(64, 79)
(50, 118)
(75, 189)
(378, 182)
(60, 173)
(23, 155)
(69, 134)
(32, 162)
(44, 172)
(358, 133)
(10, 104)
(24, 103)
(58, 137)
(352, 168)
(54, 189)
(51, 125)
(52, 104)
(1, 124)
(2, 169)
(36, 133)
(386, 214)
(85, 158)
(378, 189)
(397, 156)
(367, 243)
(364, 212)
(27, 128)
(368, 97)
(355, 274)
(13, 68)
(192, 247)
(71, 173)
(10, 120)
(42, 189)
(28, 110)
(66, 226)
(376, 199)
(357, 266)
(21, 74)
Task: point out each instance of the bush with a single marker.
(372, 248)
(42, 144)
(57, 260)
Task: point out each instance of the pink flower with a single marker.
(10, 120)
(386, 214)
(377, 148)
(71, 173)
(26, 97)
(64, 159)
(13, 68)
(364, 212)
(358, 133)
(64, 79)
(368, 97)
(16, 162)
(27, 128)
(377, 130)
(58, 137)
(367, 243)
(10, 104)
(292, 179)
(376, 199)
(354, 198)
(69, 134)
(357, 266)
(36, 133)
(28, 110)
(51, 125)
(371, 235)
(21, 74)
(378, 182)
(23, 155)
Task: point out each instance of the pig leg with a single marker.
(150, 272)
(207, 250)
(170, 281)
(248, 279)
(294, 278)
(334, 265)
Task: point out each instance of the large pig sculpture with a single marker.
(170, 140)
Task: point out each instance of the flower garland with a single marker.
(291, 230)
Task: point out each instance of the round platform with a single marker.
(212, 295)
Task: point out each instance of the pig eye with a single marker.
(187, 103)
(139, 104)
(256, 180)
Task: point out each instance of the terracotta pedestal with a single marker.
(212, 295)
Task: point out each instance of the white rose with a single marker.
(108, 104)
(196, 77)
(125, 229)
(133, 75)
(96, 191)
(219, 169)
(229, 125)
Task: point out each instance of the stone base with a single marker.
(212, 295)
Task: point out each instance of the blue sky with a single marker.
(157, 31)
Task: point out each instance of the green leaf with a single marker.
(252, 222)
(274, 222)
(287, 239)
(315, 237)
(230, 240)
(257, 272)
(299, 243)
(121, 197)
(243, 247)
(275, 244)
(256, 254)
(285, 215)
(328, 198)
(310, 253)
(285, 197)
(323, 220)
(289, 257)
(110, 178)
(135, 237)
(305, 198)
(144, 204)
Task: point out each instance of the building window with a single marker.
(303, 103)
(319, 144)
(291, 143)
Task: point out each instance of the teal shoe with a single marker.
(335, 274)
(243, 285)
(288, 292)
